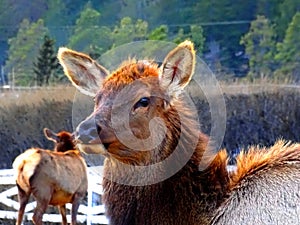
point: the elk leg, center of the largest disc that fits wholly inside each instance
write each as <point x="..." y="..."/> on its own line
<point x="62" y="210"/>
<point x="23" y="199"/>
<point x="75" y="205"/>
<point x="39" y="210"/>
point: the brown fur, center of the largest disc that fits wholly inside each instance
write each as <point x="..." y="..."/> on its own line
<point x="265" y="187"/>
<point x="166" y="202"/>
<point x="53" y="178"/>
<point x="189" y="196"/>
<point x="162" y="202"/>
<point x="257" y="159"/>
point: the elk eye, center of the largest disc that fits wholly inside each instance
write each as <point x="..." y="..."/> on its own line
<point x="143" y="102"/>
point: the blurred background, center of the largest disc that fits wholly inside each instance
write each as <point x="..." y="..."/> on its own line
<point x="237" y="39"/>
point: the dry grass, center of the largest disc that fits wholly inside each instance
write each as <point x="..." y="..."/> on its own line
<point x="256" y="114"/>
<point x="29" y="96"/>
<point x="248" y="89"/>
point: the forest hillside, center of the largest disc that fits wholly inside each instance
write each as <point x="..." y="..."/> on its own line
<point x="237" y="39"/>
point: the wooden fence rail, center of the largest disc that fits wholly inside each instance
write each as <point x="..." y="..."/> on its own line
<point x="90" y="213"/>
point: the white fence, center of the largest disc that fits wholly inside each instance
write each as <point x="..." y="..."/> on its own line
<point x="91" y="213"/>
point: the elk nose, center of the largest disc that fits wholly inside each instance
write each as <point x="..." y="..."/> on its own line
<point x="87" y="131"/>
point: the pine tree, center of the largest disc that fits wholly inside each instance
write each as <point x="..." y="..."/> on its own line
<point x="23" y="49"/>
<point x="288" y="55"/>
<point x="260" y="47"/>
<point x="286" y="9"/>
<point x="198" y="38"/>
<point x="46" y="62"/>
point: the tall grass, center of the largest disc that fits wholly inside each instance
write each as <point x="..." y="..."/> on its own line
<point x="35" y="95"/>
<point x="256" y="114"/>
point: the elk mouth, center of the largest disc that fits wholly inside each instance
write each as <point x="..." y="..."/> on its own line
<point x="106" y="145"/>
<point x="113" y="150"/>
<point x="92" y="148"/>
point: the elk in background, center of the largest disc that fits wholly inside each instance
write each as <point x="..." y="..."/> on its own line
<point x="52" y="177"/>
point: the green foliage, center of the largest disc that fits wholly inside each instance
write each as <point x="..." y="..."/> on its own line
<point x="180" y="36"/>
<point x="226" y="23"/>
<point x="93" y="26"/>
<point x="285" y="12"/>
<point x="88" y="36"/>
<point x="23" y="49"/>
<point x="270" y="9"/>
<point x="288" y="55"/>
<point x="124" y="32"/>
<point x="159" y="33"/>
<point x="88" y="17"/>
<point x="46" y="63"/>
<point x="13" y="13"/>
<point x="128" y="30"/>
<point x="57" y="20"/>
<point x="141" y="30"/>
<point x="260" y="47"/>
<point x="197" y="36"/>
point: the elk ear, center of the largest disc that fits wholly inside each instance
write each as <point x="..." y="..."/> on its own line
<point x="50" y="135"/>
<point x="84" y="72"/>
<point x="178" y="68"/>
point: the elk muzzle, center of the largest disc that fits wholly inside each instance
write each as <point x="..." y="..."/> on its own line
<point x="93" y="138"/>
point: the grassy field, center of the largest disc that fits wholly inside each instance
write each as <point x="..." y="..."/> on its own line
<point x="256" y="114"/>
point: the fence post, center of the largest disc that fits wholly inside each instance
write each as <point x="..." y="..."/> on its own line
<point x="89" y="206"/>
<point x="2" y="76"/>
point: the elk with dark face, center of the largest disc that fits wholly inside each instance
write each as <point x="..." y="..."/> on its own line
<point x="63" y="140"/>
<point x="149" y="132"/>
<point x="53" y="178"/>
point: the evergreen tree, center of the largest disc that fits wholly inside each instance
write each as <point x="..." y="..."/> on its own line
<point x="23" y="49"/>
<point x="260" y="47"/>
<point x="285" y="12"/>
<point x="198" y="38"/>
<point x="11" y="16"/>
<point x="288" y="54"/>
<point x="46" y="63"/>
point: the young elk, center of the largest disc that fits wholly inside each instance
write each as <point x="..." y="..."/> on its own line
<point x="154" y="147"/>
<point x="53" y="177"/>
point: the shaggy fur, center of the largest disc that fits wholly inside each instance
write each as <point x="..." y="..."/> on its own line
<point x="54" y="178"/>
<point x="164" y="202"/>
<point x="265" y="187"/>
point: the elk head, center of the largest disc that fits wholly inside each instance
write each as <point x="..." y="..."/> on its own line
<point x="134" y="111"/>
<point x="63" y="140"/>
